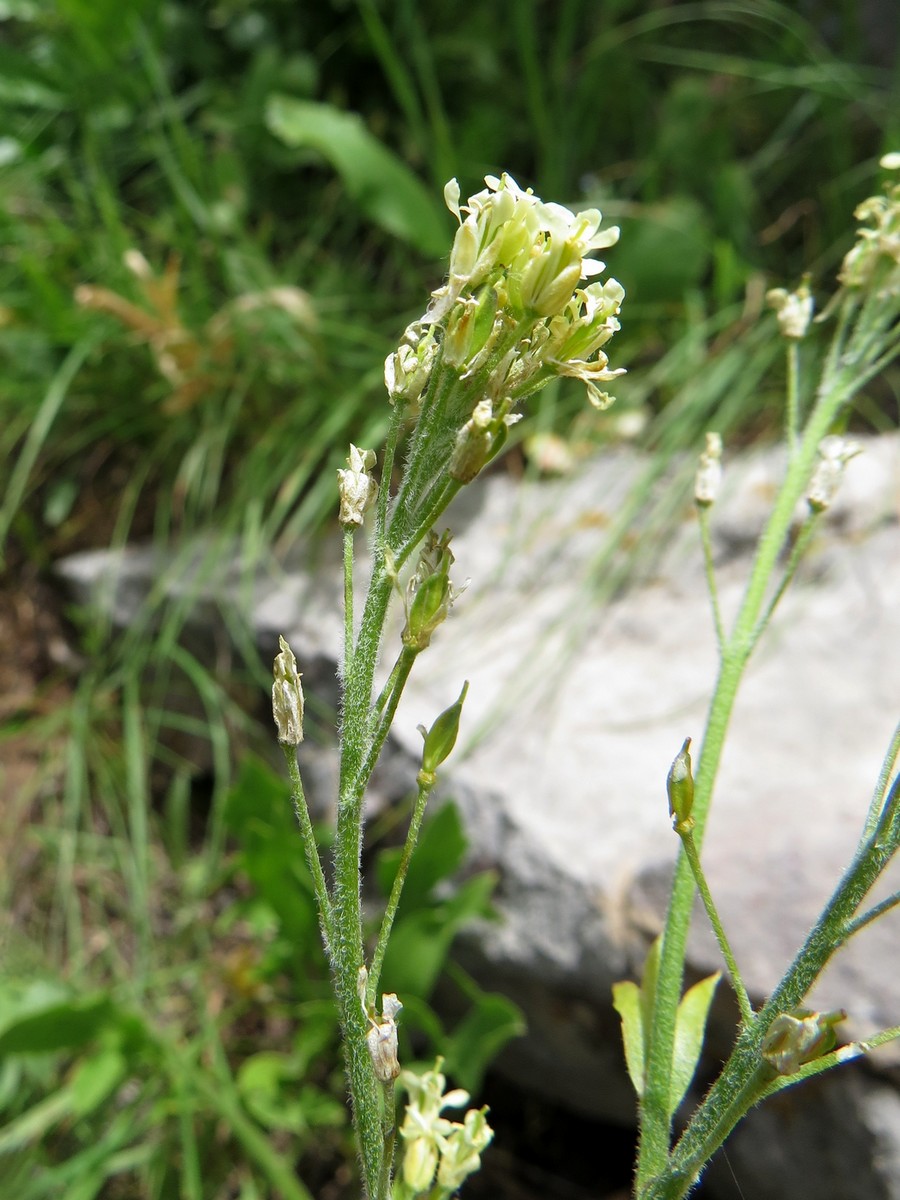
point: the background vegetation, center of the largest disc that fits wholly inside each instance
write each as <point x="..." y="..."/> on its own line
<point x="216" y="218"/>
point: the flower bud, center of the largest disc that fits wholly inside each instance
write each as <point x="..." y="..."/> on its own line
<point x="463" y="1147"/>
<point x="287" y="697"/>
<point x="680" y="788"/>
<point x="440" y="739"/>
<point x="474" y="443"/>
<point x="709" y="472"/>
<point x="429" y="593"/>
<point x="793" y="309"/>
<point x="357" y="487"/>
<point x="834" y="454"/>
<point x="408" y="370"/>
<point x="798" y="1037"/>
<point x="469" y="326"/>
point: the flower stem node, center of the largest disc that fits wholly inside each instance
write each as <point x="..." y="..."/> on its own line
<point x="709" y="472"/>
<point x="287" y="697"/>
<point x="680" y="789"/>
<point x="793" y="309"/>
<point x="834" y="454"/>
<point x="440" y="739"/>
<point x="798" y="1037"/>
<point x="357" y="487"/>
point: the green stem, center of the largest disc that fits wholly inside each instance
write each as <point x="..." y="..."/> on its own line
<point x="347" y="666"/>
<point x="389" y="1133"/>
<point x="399" y="675"/>
<point x="877" y="803"/>
<point x="301" y="809"/>
<point x="346" y="959"/>
<point x="655" y="1128"/>
<point x="744" y="1077"/>
<point x="690" y="849"/>
<point x="801" y="544"/>
<point x="703" y="511"/>
<point x="393" y="903"/>
<point x="793" y="392"/>
<point x="877" y="910"/>
<point x="443" y="494"/>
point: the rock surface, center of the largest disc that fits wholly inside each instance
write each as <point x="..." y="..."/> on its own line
<point x="580" y="696"/>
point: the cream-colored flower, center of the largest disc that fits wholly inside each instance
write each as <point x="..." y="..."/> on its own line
<point x="709" y="472"/>
<point x="794" y="310"/>
<point x="287" y="697"/>
<point x="357" y="487"/>
<point x="834" y="454"/>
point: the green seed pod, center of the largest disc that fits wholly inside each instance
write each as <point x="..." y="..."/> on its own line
<point x="429" y="607"/>
<point x="680" y="788"/>
<point x="441" y="738"/>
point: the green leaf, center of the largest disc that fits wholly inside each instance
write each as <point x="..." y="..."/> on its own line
<point x="627" y="1003"/>
<point x="690" y="1027"/>
<point x="258" y="812"/>
<point x="269" y="1086"/>
<point x="94" y="1080"/>
<point x="421" y="941"/>
<point x="439" y="853"/>
<point x="58" y="1026"/>
<point x="480" y="1036"/>
<point x="384" y="188"/>
<point x="635" y="1005"/>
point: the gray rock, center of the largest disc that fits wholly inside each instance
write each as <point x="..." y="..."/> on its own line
<point x="581" y="692"/>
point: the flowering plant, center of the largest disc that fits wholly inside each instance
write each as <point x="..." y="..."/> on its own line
<point x="515" y="312"/>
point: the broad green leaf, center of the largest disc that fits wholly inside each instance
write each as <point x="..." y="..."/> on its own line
<point x="627" y="1003"/>
<point x="58" y="1026"/>
<point x="258" y="812"/>
<point x="690" y="1026"/>
<point x="376" y="179"/>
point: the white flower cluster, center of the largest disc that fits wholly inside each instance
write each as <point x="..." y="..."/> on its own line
<point x="794" y="310"/>
<point x="875" y="259"/>
<point x="434" y="1144"/>
<point x="515" y="308"/>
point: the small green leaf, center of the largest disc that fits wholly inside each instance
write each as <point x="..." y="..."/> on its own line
<point x="648" y="984"/>
<point x="627" y="1003"/>
<point x="690" y="1027"/>
<point x="380" y="183"/>
<point x="94" y="1080"/>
